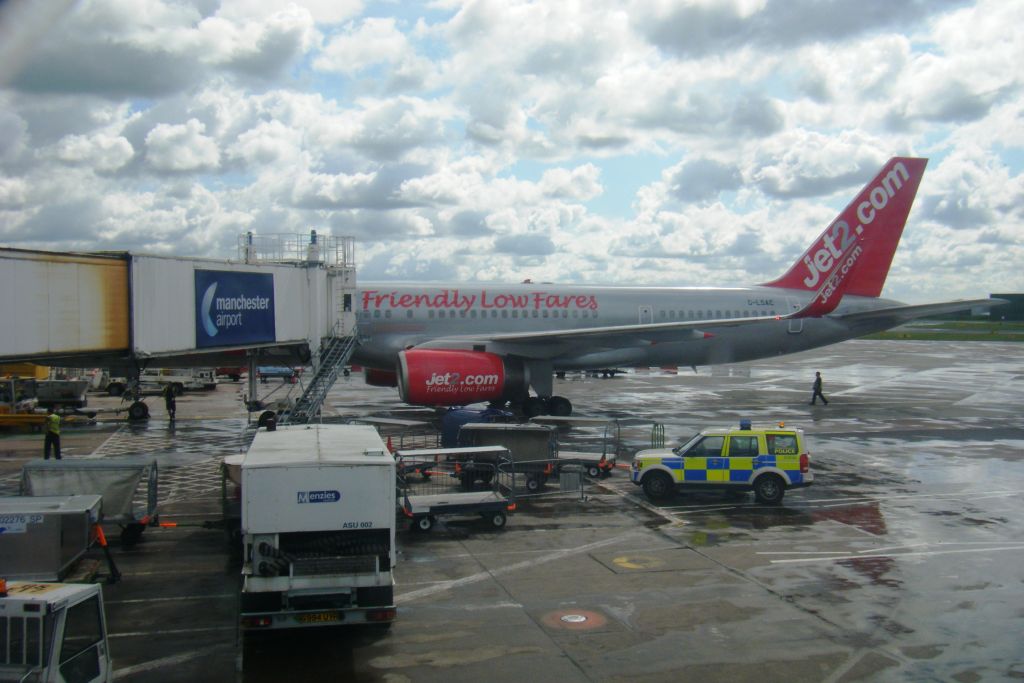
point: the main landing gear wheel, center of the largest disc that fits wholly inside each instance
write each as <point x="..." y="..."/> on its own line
<point x="556" y="405"/>
<point x="559" y="406"/>
<point x="138" y="411"/>
<point x="533" y="406"/>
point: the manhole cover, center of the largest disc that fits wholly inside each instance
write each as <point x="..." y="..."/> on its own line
<point x="574" y="619"/>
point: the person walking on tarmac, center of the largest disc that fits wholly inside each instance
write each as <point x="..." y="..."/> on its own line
<point x="169" y="401"/>
<point x="51" y="427"/>
<point x="817" y="390"/>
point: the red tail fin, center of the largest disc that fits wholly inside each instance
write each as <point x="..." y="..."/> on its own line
<point x="876" y="217"/>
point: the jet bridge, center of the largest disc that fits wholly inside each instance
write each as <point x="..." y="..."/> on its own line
<point x="285" y="296"/>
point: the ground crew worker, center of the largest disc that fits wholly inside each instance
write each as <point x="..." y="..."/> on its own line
<point x="52" y="434"/>
<point x="169" y="401"/>
<point x="817" y="390"/>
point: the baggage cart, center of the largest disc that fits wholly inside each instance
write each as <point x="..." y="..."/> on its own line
<point x="441" y="482"/>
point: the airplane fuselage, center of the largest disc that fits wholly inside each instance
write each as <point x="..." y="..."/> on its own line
<point x="393" y="317"/>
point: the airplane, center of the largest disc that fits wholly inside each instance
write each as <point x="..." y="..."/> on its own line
<point x="457" y="344"/>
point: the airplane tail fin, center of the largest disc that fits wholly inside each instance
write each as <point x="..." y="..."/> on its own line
<point x="876" y="218"/>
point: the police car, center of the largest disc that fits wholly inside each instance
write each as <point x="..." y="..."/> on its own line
<point x="766" y="460"/>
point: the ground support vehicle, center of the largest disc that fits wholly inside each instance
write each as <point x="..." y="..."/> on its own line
<point x="232" y="373"/>
<point x="591" y="442"/>
<point x="117" y="480"/>
<point x="532" y="448"/>
<point x="53" y="633"/>
<point x="440" y="482"/>
<point x="766" y="460"/>
<point x="265" y="372"/>
<point x="318" y="528"/>
<point x="179" y="379"/>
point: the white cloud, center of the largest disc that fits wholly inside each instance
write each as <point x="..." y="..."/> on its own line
<point x="102" y="152"/>
<point x="704" y="142"/>
<point x="181" y="148"/>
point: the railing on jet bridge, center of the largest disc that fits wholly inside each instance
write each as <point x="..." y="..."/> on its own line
<point x="332" y="251"/>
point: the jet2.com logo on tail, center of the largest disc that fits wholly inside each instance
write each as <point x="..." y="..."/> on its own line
<point x="234" y="308"/>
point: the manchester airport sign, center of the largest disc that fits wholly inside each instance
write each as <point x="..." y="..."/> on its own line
<point x="233" y="308"/>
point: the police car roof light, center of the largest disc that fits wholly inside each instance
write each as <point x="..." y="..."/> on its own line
<point x="744" y="423"/>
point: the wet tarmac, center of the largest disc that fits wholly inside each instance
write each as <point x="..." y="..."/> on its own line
<point x="904" y="561"/>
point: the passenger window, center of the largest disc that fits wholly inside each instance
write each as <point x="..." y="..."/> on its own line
<point x="742" y="446"/>
<point x="781" y="444"/>
<point x="708" y="447"/>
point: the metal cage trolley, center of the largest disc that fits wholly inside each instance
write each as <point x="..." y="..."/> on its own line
<point x="439" y="482"/>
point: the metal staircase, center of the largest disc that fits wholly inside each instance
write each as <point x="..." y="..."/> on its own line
<point x="333" y="358"/>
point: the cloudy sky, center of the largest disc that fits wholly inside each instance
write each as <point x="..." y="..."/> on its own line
<point x="689" y="142"/>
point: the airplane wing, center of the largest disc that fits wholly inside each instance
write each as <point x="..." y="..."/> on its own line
<point x="897" y="315"/>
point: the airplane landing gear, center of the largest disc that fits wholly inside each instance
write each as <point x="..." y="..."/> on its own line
<point x="555" y="405"/>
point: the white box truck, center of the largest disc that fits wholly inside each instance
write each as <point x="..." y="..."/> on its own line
<point x="318" y="525"/>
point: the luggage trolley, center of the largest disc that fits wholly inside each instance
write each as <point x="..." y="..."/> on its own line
<point x="436" y="482"/>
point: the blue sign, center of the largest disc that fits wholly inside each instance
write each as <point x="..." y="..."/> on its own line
<point x="318" y="496"/>
<point x="234" y="308"/>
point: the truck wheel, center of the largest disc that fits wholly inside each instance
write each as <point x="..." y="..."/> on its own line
<point x="769" y="489"/>
<point x="498" y="520"/>
<point x="533" y="483"/>
<point x="657" y="486"/>
<point x="424" y="523"/>
<point x="593" y="471"/>
<point x="115" y="389"/>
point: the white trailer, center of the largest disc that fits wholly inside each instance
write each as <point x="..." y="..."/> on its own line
<point x="318" y="525"/>
<point x="53" y="633"/>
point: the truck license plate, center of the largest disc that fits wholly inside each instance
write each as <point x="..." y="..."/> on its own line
<point x="318" y="617"/>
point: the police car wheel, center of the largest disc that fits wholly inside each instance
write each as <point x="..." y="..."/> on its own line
<point x="657" y="486"/>
<point x="769" y="489"/>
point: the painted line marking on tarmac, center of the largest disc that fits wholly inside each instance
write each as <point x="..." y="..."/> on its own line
<point x="896" y="556"/>
<point x="220" y="596"/>
<point x="171" y="632"/>
<point x="526" y="564"/>
<point x="171" y="660"/>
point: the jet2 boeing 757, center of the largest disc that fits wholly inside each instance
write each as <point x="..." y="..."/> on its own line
<point x="459" y="343"/>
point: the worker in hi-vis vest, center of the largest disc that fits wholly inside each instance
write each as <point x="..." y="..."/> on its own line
<point x="52" y="429"/>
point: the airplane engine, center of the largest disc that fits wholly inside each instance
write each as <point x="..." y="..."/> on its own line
<point x="376" y="377"/>
<point x="450" y="377"/>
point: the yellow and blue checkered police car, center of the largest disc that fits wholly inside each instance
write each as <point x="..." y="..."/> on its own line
<point x="765" y="460"/>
